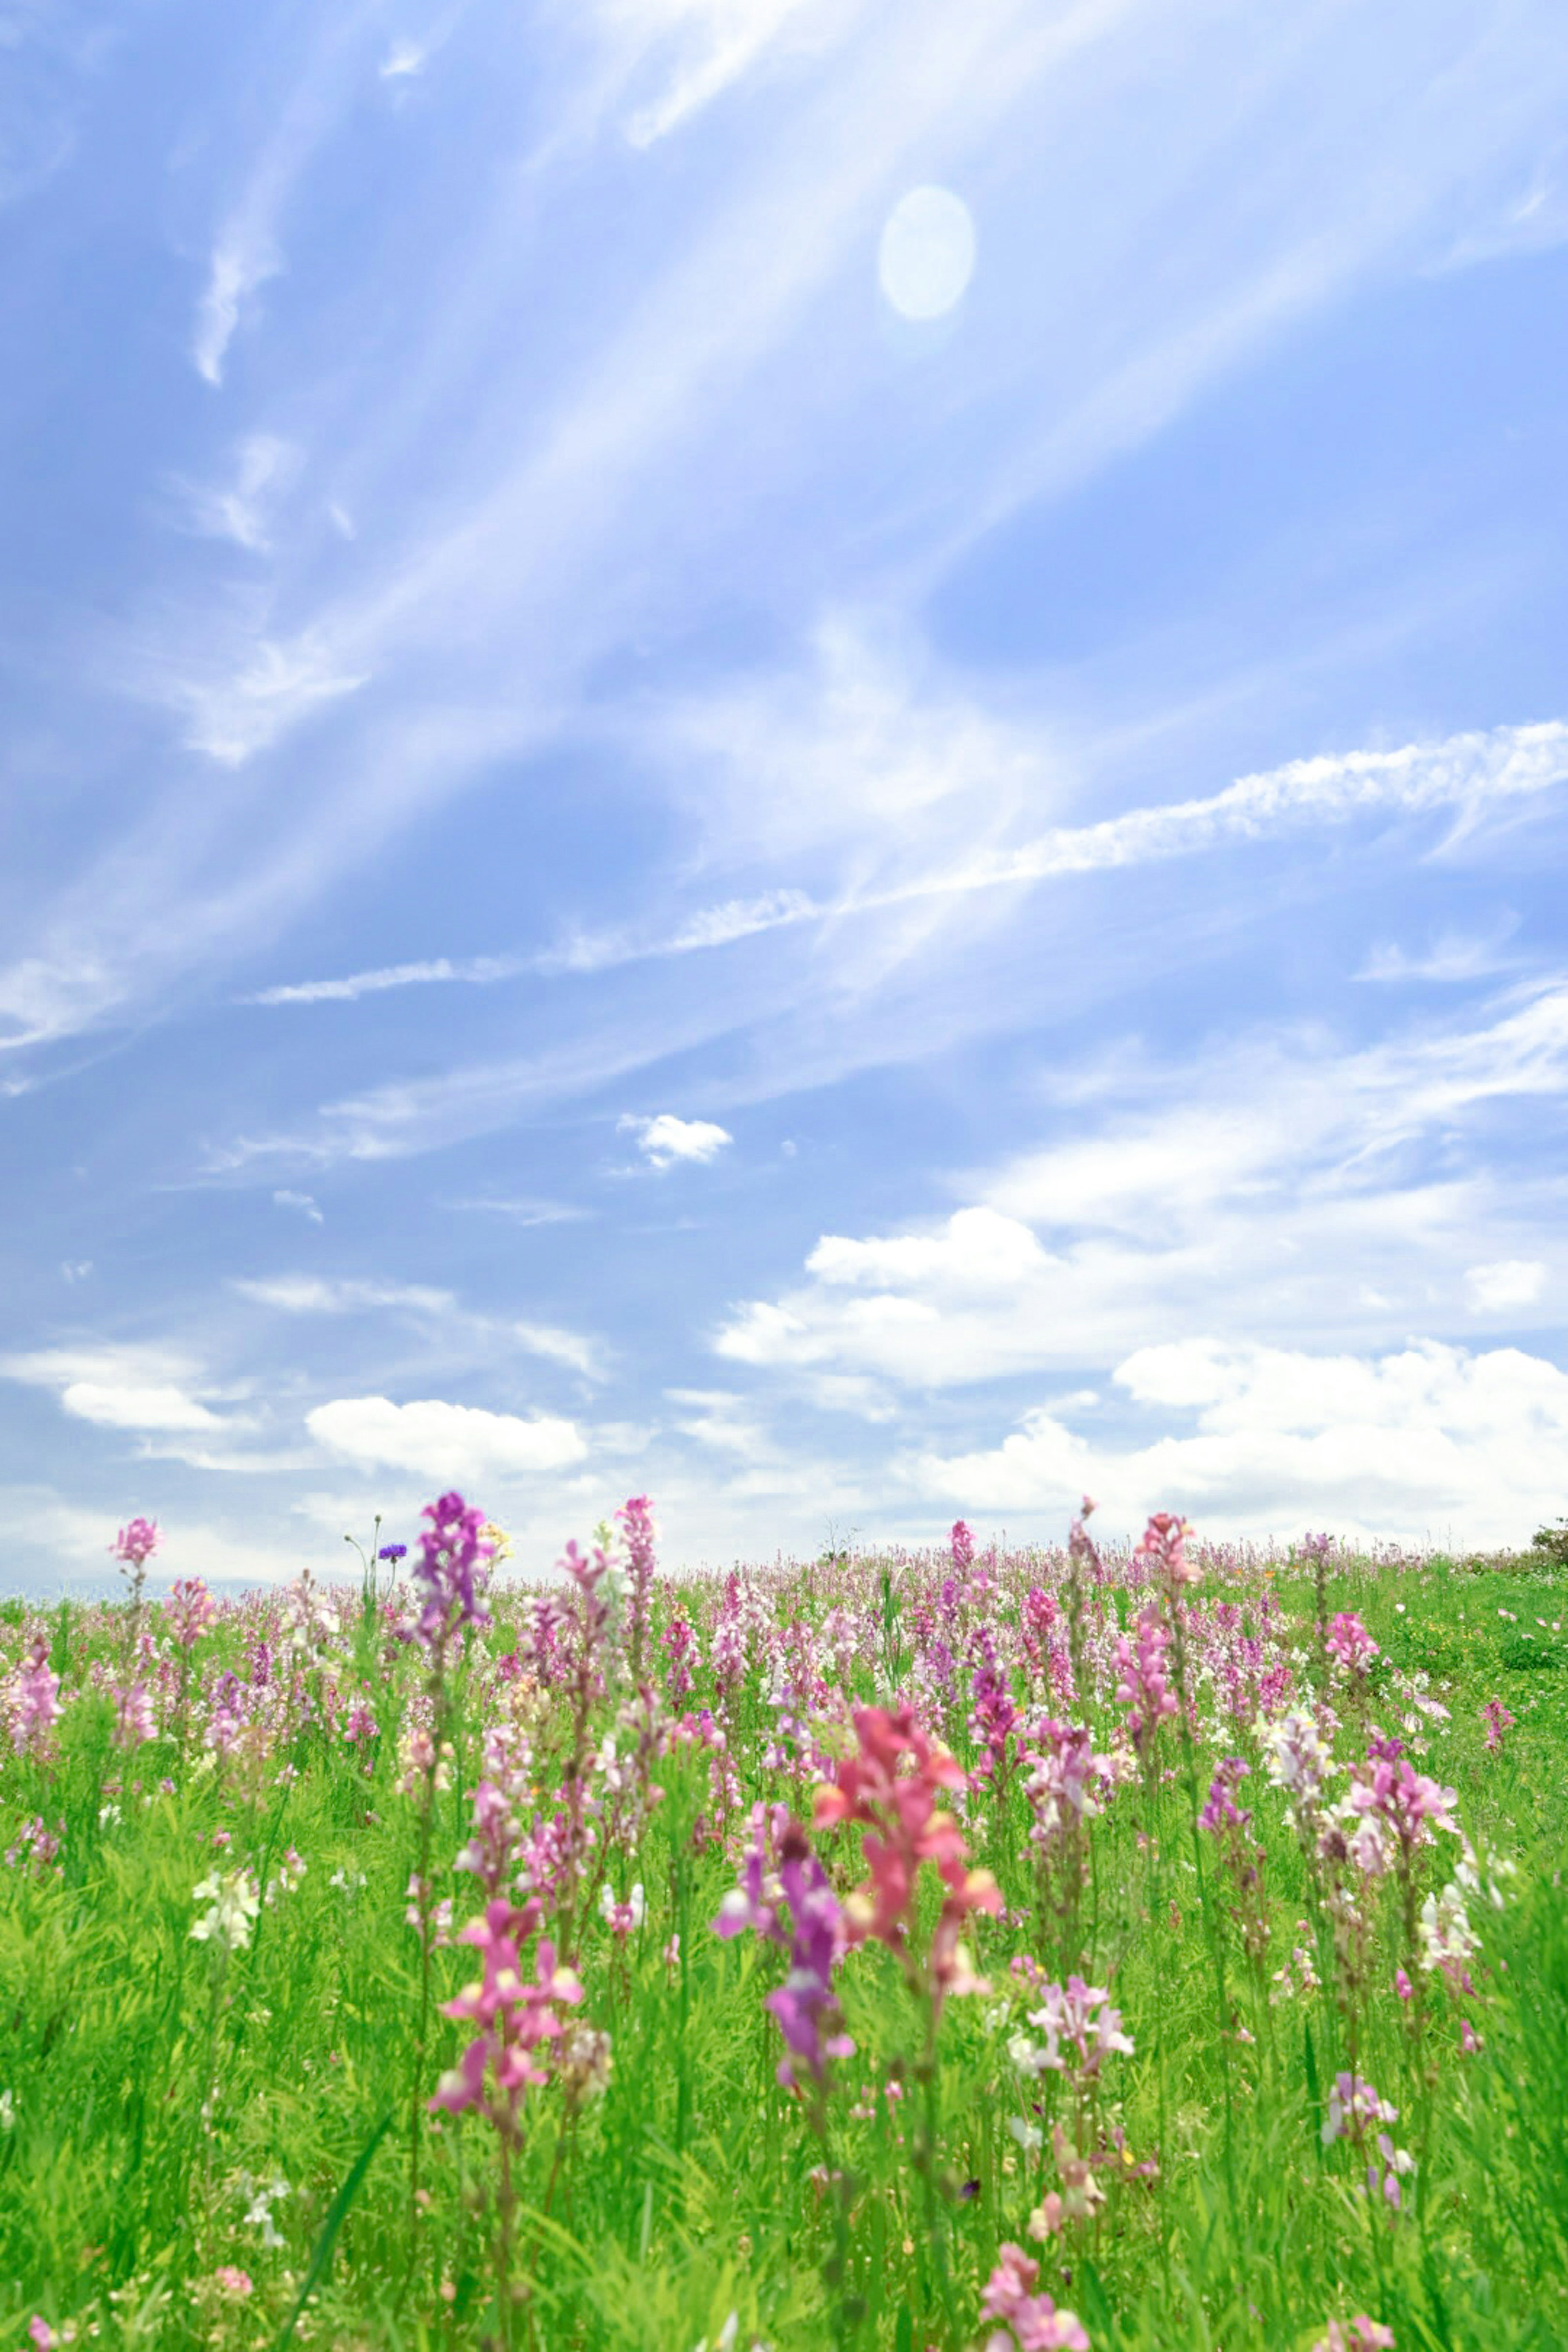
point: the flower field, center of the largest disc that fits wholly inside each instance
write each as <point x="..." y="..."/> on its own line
<point x="1128" y="1947"/>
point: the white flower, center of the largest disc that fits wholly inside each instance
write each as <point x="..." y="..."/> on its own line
<point x="1447" y="1936"/>
<point x="8" y="2112"/>
<point x="1030" y="2136"/>
<point x="234" y="1905"/>
<point x="259" y="2209"/>
<point x="1029" y="2057"/>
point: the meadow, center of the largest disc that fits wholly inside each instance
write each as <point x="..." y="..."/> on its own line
<point x="1128" y="1947"/>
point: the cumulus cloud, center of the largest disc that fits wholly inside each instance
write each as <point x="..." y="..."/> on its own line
<point x="1408" y="1444"/>
<point x="665" y="1140"/>
<point x="445" y="1443"/>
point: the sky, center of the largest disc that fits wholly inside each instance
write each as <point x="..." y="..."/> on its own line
<point x="807" y="754"/>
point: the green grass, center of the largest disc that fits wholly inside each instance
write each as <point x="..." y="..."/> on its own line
<point x="147" y="2081"/>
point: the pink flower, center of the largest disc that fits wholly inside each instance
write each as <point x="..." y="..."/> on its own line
<point x="1469" y="2040"/>
<point x="514" y="2015"/>
<point x="1037" y="2325"/>
<point x="1140" y="1663"/>
<point x="1359" y="2335"/>
<point x="906" y="1827"/>
<point x="230" y="2280"/>
<point x="636" y="1515"/>
<point x="37" y="1700"/>
<point x="1404" y="1800"/>
<point x="1351" y="1645"/>
<point x="190" y="1608"/>
<point x="134" y="1720"/>
<point x="1498" y="1720"/>
<point x="135" y="1544"/>
<point x="1164" y="1545"/>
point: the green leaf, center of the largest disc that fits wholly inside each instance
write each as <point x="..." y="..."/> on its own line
<point x="322" y="2256"/>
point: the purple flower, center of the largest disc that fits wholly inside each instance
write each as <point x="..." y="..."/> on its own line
<point x="1221" y="1810"/>
<point x="813" y="1936"/>
<point x="393" y="1552"/>
<point x="452" y="1570"/>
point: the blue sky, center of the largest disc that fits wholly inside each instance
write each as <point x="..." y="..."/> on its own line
<point x="669" y="825"/>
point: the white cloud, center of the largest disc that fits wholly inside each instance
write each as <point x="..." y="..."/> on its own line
<point x="479" y="971"/>
<point x="558" y="1347"/>
<point x="1406" y="1444"/>
<point x="714" y="1417"/>
<point x="303" y="1201"/>
<point x="76" y="1269"/>
<point x="311" y="1294"/>
<point x="1453" y="957"/>
<point x="1270" y="1185"/>
<point x="1510" y="1281"/>
<point x="240" y="266"/>
<point x="404" y="59"/>
<point x="665" y="1138"/>
<point x="716" y="43"/>
<point x="444" y="1441"/>
<point x="264" y="466"/>
<point x="525" y="1212"/>
<point x="115" y="1407"/>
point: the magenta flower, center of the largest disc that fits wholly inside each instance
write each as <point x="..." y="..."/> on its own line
<point x="1036" y="2323"/>
<point x="1142" y="1686"/>
<point x="1350" y="1644"/>
<point x="514" y="2016"/>
<point x="1358" y="2334"/>
<point x="1498" y="1720"/>
<point x="961" y="1543"/>
<point x="1388" y="1790"/>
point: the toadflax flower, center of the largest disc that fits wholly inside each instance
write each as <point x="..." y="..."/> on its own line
<point x="906" y="1827"/>
<point x="1036" y="2323"/>
<point x="514" y="2015"/>
<point x="233" y="1904"/>
<point x="797" y="1909"/>
<point x="451" y="1572"/>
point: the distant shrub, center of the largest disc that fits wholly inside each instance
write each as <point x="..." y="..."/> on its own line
<point x="1553" y="1542"/>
